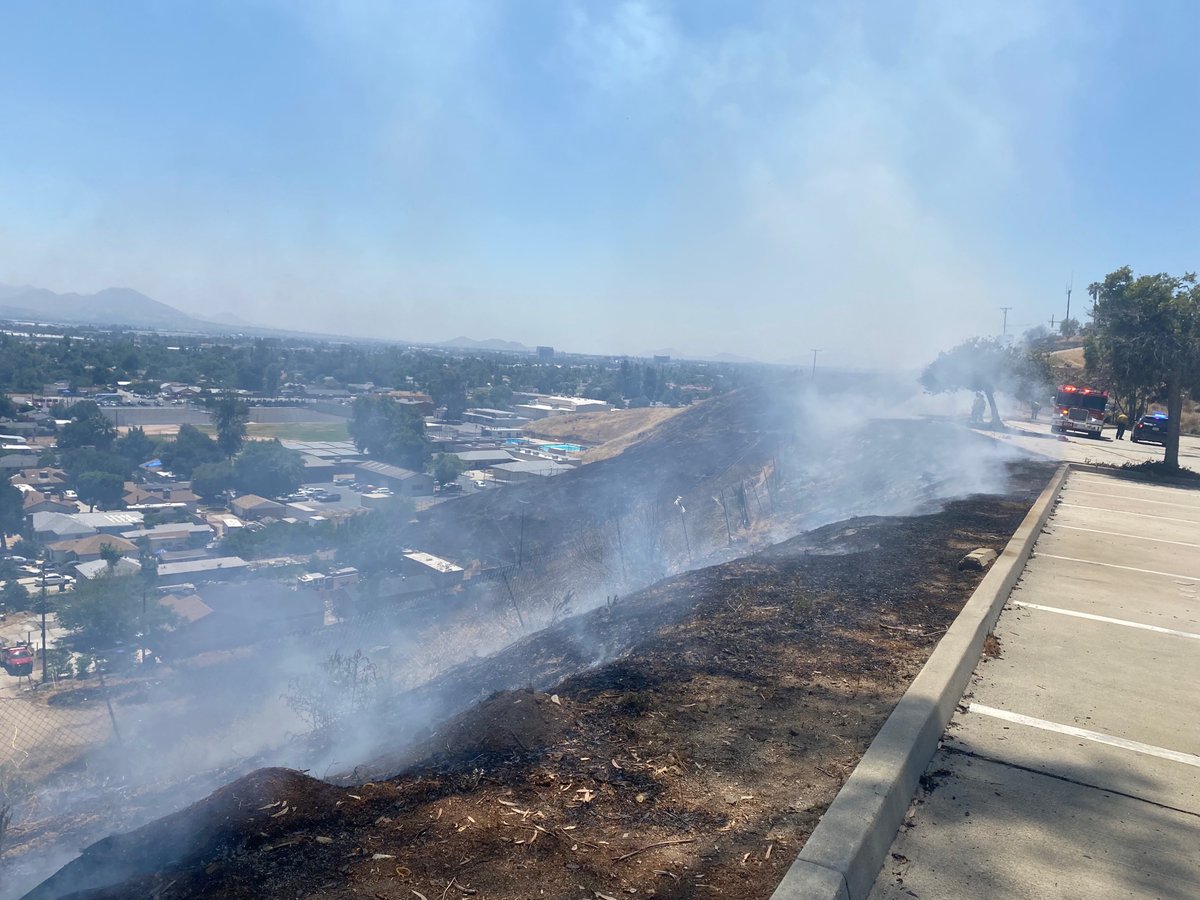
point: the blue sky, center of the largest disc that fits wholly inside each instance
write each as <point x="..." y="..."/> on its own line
<point x="876" y="179"/>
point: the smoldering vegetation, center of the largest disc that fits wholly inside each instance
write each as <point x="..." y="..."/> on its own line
<point x="728" y="478"/>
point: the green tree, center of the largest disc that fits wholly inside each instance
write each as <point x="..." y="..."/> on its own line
<point x="987" y="366"/>
<point x="105" y="611"/>
<point x="391" y="431"/>
<point x="136" y="447"/>
<point x="88" y="428"/>
<point x="87" y="459"/>
<point x="191" y="448"/>
<point x="14" y="597"/>
<point x="268" y="469"/>
<point x="1147" y="336"/>
<point x="12" y="514"/>
<point x="103" y="488"/>
<point x="230" y="415"/>
<point x="211" y="479"/>
<point x="447" y="467"/>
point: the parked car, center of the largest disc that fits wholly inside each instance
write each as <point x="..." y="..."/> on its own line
<point x="1151" y="429"/>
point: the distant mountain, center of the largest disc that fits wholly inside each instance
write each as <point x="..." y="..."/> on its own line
<point x="111" y="306"/>
<point x="466" y="343"/>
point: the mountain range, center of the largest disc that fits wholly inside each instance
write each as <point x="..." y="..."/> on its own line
<point x="111" y="306"/>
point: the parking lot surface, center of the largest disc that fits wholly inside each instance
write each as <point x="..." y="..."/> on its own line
<point x="1072" y="767"/>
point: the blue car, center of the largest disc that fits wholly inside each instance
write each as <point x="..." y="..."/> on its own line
<point x="1151" y="429"/>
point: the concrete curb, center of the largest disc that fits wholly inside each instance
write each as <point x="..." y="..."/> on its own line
<point x="844" y="855"/>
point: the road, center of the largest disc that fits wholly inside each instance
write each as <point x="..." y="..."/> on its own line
<point x="1071" y="768"/>
<point x="1036" y="438"/>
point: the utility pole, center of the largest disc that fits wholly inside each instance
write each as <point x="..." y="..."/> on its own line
<point x="1070" y="284"/>
<point x="1052" y="322"/>
<point x="683" y="520"/>
<point x="814" y="368"/>
<point x="42" y="606"/>
<point x="1005" y="310"/>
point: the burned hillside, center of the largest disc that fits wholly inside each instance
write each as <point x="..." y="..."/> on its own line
<point x="678" y="741"/>
<point x="564" y="576"/>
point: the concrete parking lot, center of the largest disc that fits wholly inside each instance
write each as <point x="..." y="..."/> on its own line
<point x="1072" y="767"/>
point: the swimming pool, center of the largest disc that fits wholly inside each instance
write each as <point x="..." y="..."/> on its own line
<point x="564" y="448"/>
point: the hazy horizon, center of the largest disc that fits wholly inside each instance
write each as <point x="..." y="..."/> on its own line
<point x="753" y="179"/>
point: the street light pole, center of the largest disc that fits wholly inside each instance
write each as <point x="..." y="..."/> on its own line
<point x="814" y="366"/>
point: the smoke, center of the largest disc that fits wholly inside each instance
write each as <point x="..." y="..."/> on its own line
<point x="725" y="479"/>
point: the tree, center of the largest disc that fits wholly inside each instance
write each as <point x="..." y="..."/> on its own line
<point x="230" y="415"/>
<point x="14" y="597"/>
<point x="135" y="447"/>
<point x="87" y="459"/>
<point x="104" y="488"/>
<point x="268" y="469"/>
<point x="391" y="431"/>
<point x="88" y="428"/>
<point x="12" y="512"/>
<point x="191" y="448"/>
<point x="986" y="365"/>
<point x="1147" y="338"/>
<point x="211" y="479"/>
<point x="447" y="467"/>
<point x="106" y="611"/>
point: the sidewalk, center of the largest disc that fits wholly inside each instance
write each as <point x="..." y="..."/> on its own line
<point x="1072" y="767"/>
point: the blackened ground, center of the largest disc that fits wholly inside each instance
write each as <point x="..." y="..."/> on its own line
<point x="694" y="763"/>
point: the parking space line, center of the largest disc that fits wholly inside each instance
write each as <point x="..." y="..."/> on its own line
<point x="1188" y="759"/>
<point x="1121" y="534"/>
<point x="1120" y="482"/>
<point x="1106" y="619"/>
<point x="1071" y="490"/>
<point x="1092" y="562"/>
<point x="1124" y="513"/>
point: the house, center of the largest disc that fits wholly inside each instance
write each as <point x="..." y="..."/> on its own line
<point x="11" y="463"/>
<point x="173" y="495"/>
<point x="172" y="536"/>
<point x="90" y="548"/>
<point x="252" y="506"/>
<point x="55" y="526"/>
<point x="528" y="469"/>
<point x="98" y="567"/>
<point x="441" y="571"/>
<point x="188" y="608"/>
<point x="238" y="616"/>
<point x="220" y="568"/>
<point x="111" y="522"/>
<point x="482" y="459"/>
<point x="35" y="501"/>
<point x="41" y="479"/>
<point x="402" y="481"/>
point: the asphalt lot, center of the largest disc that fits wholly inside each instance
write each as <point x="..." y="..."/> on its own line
<point x="1072" y="767"/>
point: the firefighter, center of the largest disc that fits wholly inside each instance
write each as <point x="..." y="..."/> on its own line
<point x="1122" y="424"/>
<point x="977" y="409"/>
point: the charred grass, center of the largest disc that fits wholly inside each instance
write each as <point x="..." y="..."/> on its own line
<point x="681" y="742"/>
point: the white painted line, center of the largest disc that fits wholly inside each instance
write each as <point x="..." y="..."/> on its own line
<point x="1124" y="513"/>
<point x="1106" y="619"/>
<point x="1162" y="753"/>
<point x="1121" y="534"/>
<point x="1192" y="506"/>
<point x="1123" y="483"/>
<point x="1187" y="759"/>
<point x="1092" y="562"/>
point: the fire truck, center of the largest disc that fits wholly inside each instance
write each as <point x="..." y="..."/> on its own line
<point x="1079" y="409"/>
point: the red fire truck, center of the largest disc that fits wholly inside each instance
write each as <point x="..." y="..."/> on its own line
<point x="1079" y="409"/>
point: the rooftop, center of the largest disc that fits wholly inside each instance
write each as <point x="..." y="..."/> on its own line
<point x="387" y="470"/>
<point x="225" y="563"/>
